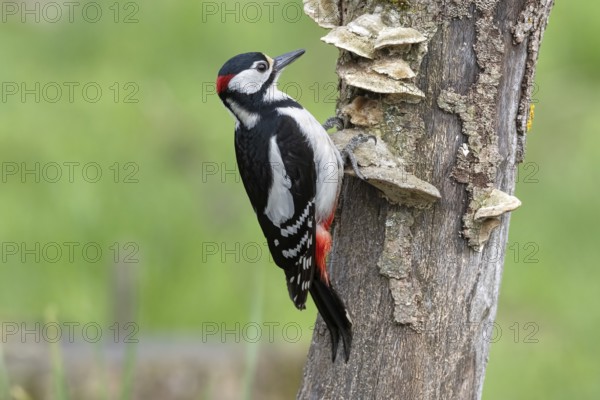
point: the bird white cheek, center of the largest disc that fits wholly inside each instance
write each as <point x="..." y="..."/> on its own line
<point x="248" y="82"/>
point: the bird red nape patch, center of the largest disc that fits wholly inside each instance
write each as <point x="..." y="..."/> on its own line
<point x="223" y="81"/>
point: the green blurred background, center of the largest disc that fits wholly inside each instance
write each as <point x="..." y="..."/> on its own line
<point x="173" y="223"/>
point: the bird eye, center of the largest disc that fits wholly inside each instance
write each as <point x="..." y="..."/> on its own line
<point x="262" y="67"/>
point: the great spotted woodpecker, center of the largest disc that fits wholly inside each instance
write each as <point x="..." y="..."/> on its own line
<point x="292" y="173"/>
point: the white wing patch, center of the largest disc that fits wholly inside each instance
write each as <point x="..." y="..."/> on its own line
<point x="280" y="204"/>
<point x="329" y="164"/>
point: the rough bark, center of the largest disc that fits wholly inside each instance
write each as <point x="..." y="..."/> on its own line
<point x="421" y="281"/>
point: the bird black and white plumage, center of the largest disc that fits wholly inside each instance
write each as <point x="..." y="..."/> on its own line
<point x="292" y="173"/>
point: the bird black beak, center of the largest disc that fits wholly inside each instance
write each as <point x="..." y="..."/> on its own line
<point x="285" y="59"/>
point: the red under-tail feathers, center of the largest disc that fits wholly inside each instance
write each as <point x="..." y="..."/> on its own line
<point x="323" y="247"/>
<point x="328" y="302"/>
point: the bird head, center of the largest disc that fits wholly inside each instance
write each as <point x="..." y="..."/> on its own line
<point x="252" y="73"/>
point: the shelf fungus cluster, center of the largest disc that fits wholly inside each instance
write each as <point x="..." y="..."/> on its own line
<point x="384" y="55"/>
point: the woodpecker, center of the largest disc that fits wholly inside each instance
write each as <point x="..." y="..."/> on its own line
<point x="292" y="173"/>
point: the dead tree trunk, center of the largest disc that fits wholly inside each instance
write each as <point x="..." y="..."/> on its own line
<point x="445" y="87"/>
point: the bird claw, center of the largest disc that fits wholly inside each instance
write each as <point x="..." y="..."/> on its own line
<point x="333" y="122"/>
<point x="348" y="152"/>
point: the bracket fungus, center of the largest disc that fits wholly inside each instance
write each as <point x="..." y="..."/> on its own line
<point x="495" y="204"/>
<point x="487" y="216"/>
<point x="344" y="39"/>
<point x="324" y="12"/>
<point x="398" y="36"/>
<point x="368" y="33"/>
<point x="358" y="37"/>
<point x="386" y="172"/>
<point x="368" y="37"/>
<point x="394" y="68"/>
<point x="372" y="81"/>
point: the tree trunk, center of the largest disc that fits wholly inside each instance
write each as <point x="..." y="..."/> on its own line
<point x="419" y="275"/>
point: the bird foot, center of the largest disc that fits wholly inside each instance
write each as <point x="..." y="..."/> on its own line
<point x="348" y="152"/>
<point x="333" y="122"/>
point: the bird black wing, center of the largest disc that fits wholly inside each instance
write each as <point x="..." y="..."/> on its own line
<point x="291" y="240"/>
